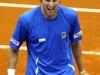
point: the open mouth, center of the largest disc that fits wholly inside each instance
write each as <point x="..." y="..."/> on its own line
<point x="50" y="8"/>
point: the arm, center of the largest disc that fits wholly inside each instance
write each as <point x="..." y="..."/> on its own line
<point x="12" y="61"/>
<point x="18" y="37"/>
<point x="76" y="49"/>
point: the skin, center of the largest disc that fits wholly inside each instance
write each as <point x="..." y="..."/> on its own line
<point x="12" y="59"/>
<point x="77" y="53"/>
<point x="76" y="48"/>
<point x="50" y="8"/>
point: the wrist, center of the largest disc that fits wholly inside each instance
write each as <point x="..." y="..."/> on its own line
<point x="82" y="72"/>
<point x="11" y="71"/>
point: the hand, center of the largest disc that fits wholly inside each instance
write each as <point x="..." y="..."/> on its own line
<point x="83" y="72"/>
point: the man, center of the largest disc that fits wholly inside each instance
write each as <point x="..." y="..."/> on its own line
<point x="52" y="33"/>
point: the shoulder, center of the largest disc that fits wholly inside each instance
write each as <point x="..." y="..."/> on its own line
<point x="26" y="19"/>
<point x="30" y="13"/>
<point x="69" y="12"/>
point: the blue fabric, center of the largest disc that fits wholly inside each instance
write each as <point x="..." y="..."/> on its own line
<point x="48" y="41"/>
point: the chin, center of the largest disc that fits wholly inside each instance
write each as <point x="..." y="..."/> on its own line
<point x="51" y="16"/>
<point x="51" y="13"/>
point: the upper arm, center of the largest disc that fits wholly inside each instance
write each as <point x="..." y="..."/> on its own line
<point x="13" y="52"/>
<point x="19" y="35"/>
<point x="75" y="32"/>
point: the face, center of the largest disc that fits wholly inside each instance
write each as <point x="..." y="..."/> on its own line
<point x="50" y="7"/>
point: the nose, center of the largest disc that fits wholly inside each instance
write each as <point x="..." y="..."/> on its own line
<point x="51" y="3"/>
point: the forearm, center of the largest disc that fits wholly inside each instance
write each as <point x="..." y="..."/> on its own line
<point x="12" y="59"/>
<point x="76" y="48"/>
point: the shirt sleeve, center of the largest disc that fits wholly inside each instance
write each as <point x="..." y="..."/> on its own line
<point x="19" y="35"/>
<point x="75" y="33"/>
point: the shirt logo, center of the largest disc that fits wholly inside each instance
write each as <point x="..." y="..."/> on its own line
<point x="78" y="34"/>
<point x="42" y="39"/>
<point x="14" y="41"/>
<point x="63" y="35"/>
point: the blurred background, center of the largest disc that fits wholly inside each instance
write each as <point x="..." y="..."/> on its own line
<point x="89" y="17"/>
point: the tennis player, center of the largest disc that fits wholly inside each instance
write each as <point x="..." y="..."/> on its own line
<point x="52" y="34"/>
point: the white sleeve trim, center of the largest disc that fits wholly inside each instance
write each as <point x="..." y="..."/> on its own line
<point x="14" y="41"/>
<point x="78" y="34"/>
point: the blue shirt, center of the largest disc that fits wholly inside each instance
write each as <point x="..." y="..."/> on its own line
<point x="48" y="41"/>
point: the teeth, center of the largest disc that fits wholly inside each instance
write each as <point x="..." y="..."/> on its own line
<point x="50" y="8"/>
